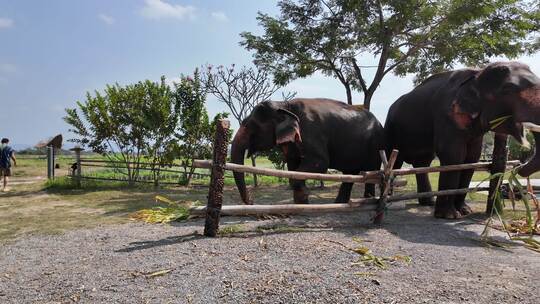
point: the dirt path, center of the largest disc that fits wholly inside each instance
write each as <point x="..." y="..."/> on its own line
<point x="300" y="260"/>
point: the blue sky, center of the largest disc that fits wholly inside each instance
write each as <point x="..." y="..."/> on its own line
<point x="52" y="52"/>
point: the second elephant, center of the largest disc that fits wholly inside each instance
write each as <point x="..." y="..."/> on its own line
<point x="314" y="135"/>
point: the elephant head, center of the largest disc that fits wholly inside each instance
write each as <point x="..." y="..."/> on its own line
<point x="269" y="124"/>
<point x="504" y="97"/>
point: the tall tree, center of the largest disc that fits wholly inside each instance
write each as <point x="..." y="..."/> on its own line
<point x="196" y="130"/>
<point x="335" y="37"/>
<point x="128" y="123"/>
<point x="241" y="90"/>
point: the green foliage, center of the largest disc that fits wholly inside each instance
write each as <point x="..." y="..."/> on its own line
<point x="519" y="152"/>
<point x="276" y="157"/>
<point x="418" y="36"/>
<point x="126" y="123"/>
<point x="196" y="130"/>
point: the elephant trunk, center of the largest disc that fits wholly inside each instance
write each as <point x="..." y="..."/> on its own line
<point x="533" y="164"/>
<point x="238" y="151"/>
<point x="530" y="118"/>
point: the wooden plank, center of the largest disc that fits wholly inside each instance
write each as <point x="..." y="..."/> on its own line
<point x="286" y="174"/>
<point x="285" y="209"/>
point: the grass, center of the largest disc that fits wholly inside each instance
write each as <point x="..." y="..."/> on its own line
<point x="48" y="207"/>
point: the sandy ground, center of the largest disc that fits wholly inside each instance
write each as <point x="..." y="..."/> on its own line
<point x="301" y="260"/>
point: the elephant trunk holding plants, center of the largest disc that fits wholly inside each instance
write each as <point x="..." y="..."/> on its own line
<point x="314" y="135"/>
<point x="447" y="116"/>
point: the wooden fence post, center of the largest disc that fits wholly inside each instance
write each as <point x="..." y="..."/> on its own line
<point x="386" y="184"/>
<point x="50" y="162"/>
<point x="78" y="170"/>
<point x="215" y="193"/>
<point x="498" y="165"/>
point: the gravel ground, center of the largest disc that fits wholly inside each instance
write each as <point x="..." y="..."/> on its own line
<point x="111" y="264"/>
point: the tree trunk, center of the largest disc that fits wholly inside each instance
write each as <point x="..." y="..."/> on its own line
<point x="367" y="99"/>
<point x="349" y="93"/>
<point x="255" y="181"/>
<point x="190" y="176"/>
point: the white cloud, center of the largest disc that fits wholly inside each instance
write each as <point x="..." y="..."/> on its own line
<point x="106" y="19"/>
<point x="159" y="9"/>
<point x="6" y="23"/>
<point x="220" y="16"/>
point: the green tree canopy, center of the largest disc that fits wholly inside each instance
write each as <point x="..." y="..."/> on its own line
<point x="416" y="36"/>
<point x="128" y="123"/>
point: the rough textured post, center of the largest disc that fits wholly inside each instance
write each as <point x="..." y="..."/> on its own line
<point x="50" y="162"/>
<point x="499" y="159"/>
<point x="387" y="184"/>
<point x="215" y="193"/>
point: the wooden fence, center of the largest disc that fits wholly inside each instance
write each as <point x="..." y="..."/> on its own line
<point x="385" y="178"/>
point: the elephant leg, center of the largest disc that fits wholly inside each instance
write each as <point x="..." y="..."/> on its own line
<point x="300" y="191"/>
<point x="344" y="194"/>
<point x="292" y="165"/>
<point x="474" y="150"/>
<point x="450" y="153"/>
<point x="422" y="182"/>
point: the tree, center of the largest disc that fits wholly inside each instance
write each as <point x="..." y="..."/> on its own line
<point x="417" y="36"/>
<point x="196" y="131"/>
<point x="128" y="123"/>
<point x="241" y="90"/>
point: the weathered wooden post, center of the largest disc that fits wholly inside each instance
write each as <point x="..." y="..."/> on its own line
<point x="498" y="165"/>
<point x="386" y="184"/>
<point x="215" y="193"/>
<point x="78" y="169"/>
<point x="50" y="162"/>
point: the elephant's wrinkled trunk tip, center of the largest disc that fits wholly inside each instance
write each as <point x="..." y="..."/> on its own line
<point x="533" y="164"/>
<point x="238" y="151"/>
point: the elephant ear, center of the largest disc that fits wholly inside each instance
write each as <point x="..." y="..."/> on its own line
<point x="466" y="107"/>
<point x="288" y="128"/>
<point x="492" y="77"/>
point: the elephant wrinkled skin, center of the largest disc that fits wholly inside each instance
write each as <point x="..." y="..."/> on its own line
<point x="448" y="114"/>
<point x="314" y="135"/>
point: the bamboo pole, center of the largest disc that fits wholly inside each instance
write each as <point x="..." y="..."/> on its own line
<point x="363" y="204"/>
<point x="286" y="209"/>
<point x="287" y="174"/>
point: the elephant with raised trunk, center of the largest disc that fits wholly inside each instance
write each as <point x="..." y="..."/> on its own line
<point x="448" y="114"/>
<point x="314" y="135"/>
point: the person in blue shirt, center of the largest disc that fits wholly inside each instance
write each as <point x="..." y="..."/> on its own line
<point x="7" y="154"/>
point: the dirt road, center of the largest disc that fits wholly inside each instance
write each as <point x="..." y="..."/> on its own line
<point x="287" y="260"/>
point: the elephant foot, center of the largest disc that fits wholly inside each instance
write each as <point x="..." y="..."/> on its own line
<point x="448" y="213"/>
<point x="341" y="200"/>
<point x="464" y="209"/>
<point x="300" y="197"/>
<point x="428" y="201"/>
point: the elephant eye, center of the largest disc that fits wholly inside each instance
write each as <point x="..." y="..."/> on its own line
<point x="509" y="88"/>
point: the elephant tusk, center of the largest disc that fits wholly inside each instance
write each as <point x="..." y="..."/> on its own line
<point x="531" y="126"/>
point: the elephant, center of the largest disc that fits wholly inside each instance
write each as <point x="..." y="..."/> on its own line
<point x="448" y="114"/>
<point x="314" y="135"/>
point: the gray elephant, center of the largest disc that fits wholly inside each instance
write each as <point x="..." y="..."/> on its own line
<point x="447" y="116"/>
<point x="314" y="135"/>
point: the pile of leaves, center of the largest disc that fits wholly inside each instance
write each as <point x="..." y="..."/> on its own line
<point x="521" y="230"/>
<point x="367" y="258"/>
<point x="175" y="211"/>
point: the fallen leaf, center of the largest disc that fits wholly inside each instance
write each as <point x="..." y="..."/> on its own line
<point x="158" y="273"/>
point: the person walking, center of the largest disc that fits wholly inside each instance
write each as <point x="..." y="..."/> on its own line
<point x="7" y="154"/>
